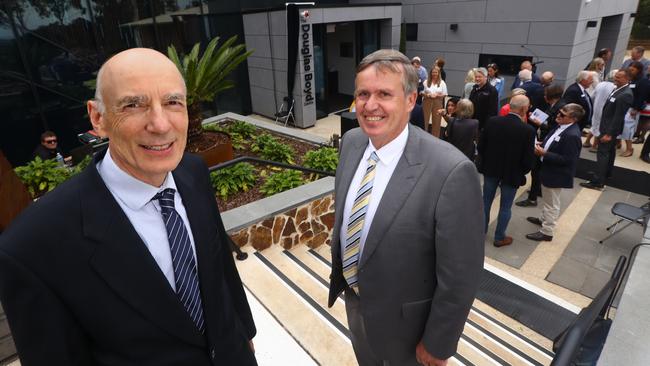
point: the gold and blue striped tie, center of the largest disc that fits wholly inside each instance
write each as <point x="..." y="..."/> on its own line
<point x="355" y="225"/>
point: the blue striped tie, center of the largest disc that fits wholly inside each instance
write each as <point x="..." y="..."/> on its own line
<point x="187" y="281"/>
<point x="355" y="226"/>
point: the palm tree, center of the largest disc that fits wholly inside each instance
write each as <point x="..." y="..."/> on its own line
<point x="205" y="76"/>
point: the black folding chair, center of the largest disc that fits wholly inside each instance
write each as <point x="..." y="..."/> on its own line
<point x="631" y="214"/>
<point x="286" y="111"/>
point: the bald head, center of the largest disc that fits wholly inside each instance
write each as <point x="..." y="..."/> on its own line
<point x="130" y="63"/>
<point x="547" y="78"/>
<point x="519" y="105"/>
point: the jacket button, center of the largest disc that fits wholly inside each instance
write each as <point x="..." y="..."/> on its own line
<point x="212" y="353"/>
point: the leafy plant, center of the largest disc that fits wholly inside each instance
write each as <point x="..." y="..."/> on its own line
<point x="261" y="141"/>
<point x="282" y="181"/>
<point x="245" y="130"/>
<point x="325" y="158"/>
<point x="227" y="181"/>
<point x="42" y="176"/>
<point x="81" y="165"/>
<point x="206" y="76"/>
<point x="278" y="151"/>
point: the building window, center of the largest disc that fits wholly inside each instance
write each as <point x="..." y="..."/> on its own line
<point x="411" y="31"/>
<point x="508" y="64"/>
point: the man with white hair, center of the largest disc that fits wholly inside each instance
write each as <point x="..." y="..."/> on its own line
<point x="484" y="97"/>
<point x="534" y="91"/>
<point x="577" y="93"/>
<point x="525" y="65"/>
<point x="131" y="264"/>
<point x="601" y="93"/>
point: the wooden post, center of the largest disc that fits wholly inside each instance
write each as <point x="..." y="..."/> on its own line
<point x="13" y="194"/>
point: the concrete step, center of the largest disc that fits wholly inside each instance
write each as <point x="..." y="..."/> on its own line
<point x="293" y="286"/>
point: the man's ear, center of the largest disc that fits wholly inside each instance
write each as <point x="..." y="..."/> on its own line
<point x="410" y="100"/>
<point x="96" y="117"/>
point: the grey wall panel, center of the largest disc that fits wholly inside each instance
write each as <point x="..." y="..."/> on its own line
<point x="507" y="33"/>
<point x="460" y="61"/>
<point x="279" y="46"/>
<point x="601" y="8"/>
<point x="455" y="81"/>
<point x="256" y="24"/>
<point x="584" y="34"/>
<point x="532" y="10"/>
<point x="267" y="63"/>
<point x="396" y="36"/>
<point x="431" y="32"/>
<point x="552" y="33"/>
<point x="587" y="47"/>
<point x="263" y="101"/>
<point x="278" y="23"/>
<point x="352" y="14"/>
<point x="261" y="78"/>
<point x="470" y="11"/>
<point x="542" y="51"/>
<point x="444" y="46"/>
<point x="260" y="44"/>
<point x="407" y="14"/>
<point x="394" y="13"/>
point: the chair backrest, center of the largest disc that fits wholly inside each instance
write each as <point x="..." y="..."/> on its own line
<point x="567" y="344"/>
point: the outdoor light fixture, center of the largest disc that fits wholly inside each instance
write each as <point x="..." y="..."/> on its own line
<point x="453" y="26"/>
<point x="592" y="24"/>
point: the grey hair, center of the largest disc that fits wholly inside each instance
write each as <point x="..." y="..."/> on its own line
<point x="391" y="60"/>
<point x="517" y="104"/>
<point x="99" y="103"/>
<point x="517" y="91"/>
<point x="611" y="75"/>
<point x="481" y="70"/>
<point x="574" y="110"/>
<point x="525" y="75"/>
<point x="582" y="75"/>
<point x="464" y="108"/>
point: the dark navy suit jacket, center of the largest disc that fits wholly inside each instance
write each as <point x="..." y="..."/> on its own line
<point x="561" y="158"/>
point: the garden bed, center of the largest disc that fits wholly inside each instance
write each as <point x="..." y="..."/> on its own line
<point x="251" y="140"/>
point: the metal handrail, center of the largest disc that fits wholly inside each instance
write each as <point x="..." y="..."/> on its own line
<point x="269" y="162"/>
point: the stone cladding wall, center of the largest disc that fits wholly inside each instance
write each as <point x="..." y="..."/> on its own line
<point x="309" y="224"/>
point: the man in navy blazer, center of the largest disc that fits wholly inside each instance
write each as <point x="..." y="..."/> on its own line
<point x="577" y="93"/>
<point x="559" y="154"/>
<point x="88" y="274"/>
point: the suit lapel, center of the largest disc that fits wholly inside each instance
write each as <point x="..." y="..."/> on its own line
<point x="124" y="262"/>
<point x="406" y="174"/>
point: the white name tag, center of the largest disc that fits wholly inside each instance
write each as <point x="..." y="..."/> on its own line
<point x="612" y="99"/>
<point x="632" y="86"/>
<point x="557" y="139"/>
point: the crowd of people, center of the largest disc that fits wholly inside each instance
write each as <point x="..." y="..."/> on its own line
<point x="541" y="128"/>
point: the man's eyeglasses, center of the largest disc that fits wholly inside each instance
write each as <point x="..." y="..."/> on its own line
<point x="50" y="141"/>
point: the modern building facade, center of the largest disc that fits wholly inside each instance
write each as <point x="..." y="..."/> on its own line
<point x="50" y="51"/>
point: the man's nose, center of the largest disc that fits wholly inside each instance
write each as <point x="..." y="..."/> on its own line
<point x="371" y="104"/>
<point x="158" y="120"/>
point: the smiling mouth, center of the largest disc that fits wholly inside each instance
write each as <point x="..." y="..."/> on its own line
<point x="374" y="118"/>
<point x="158" y="147"/>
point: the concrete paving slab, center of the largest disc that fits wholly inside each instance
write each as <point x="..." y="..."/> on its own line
<point x="594" y="282"/>
<point x="607" y="258"/>
<point x="583" y="250"/>
<point x="569" y="273"/>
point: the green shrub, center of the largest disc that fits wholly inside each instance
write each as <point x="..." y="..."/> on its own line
<point x="279" y="152"/>
<point x="214" y="127"/>
<point x="227" y="181"/>
<point x="325" y="158"/>
<point x="42" y="176"/>
<point x="243" y="129"/>
<point x="82" y="165"/>
<point x="282" y="181"/>
<point x="261" y="141"/>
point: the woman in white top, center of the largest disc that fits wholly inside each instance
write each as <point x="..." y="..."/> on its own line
<point x="433" y="97"/>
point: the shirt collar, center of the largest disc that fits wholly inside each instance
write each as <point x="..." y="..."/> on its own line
<point x="582" y="89"/>
<point x="391" y="150"/>
<point x="132" y="192"/>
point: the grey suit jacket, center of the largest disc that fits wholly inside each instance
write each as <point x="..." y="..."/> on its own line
<point x="423" y="256"/>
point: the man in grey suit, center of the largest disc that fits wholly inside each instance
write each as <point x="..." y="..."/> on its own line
<point x="407" y="247"/>
<point x="611" y="125"/>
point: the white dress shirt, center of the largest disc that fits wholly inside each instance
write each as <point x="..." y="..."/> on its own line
<point x="554" y="137"/>
<point x="135" y="199"/>
<point x="389" y="155"/>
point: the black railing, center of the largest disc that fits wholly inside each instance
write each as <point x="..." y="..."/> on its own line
<point x="569" y="345"/>
<point x="240" y="255"/>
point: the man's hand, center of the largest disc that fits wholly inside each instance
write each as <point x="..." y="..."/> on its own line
<point x="539" y="151"/>
<point x="605" y="138"/>
<point x="251" y="345"/>
<point x="535" y="121"/>
<point x="425" y="358"/>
